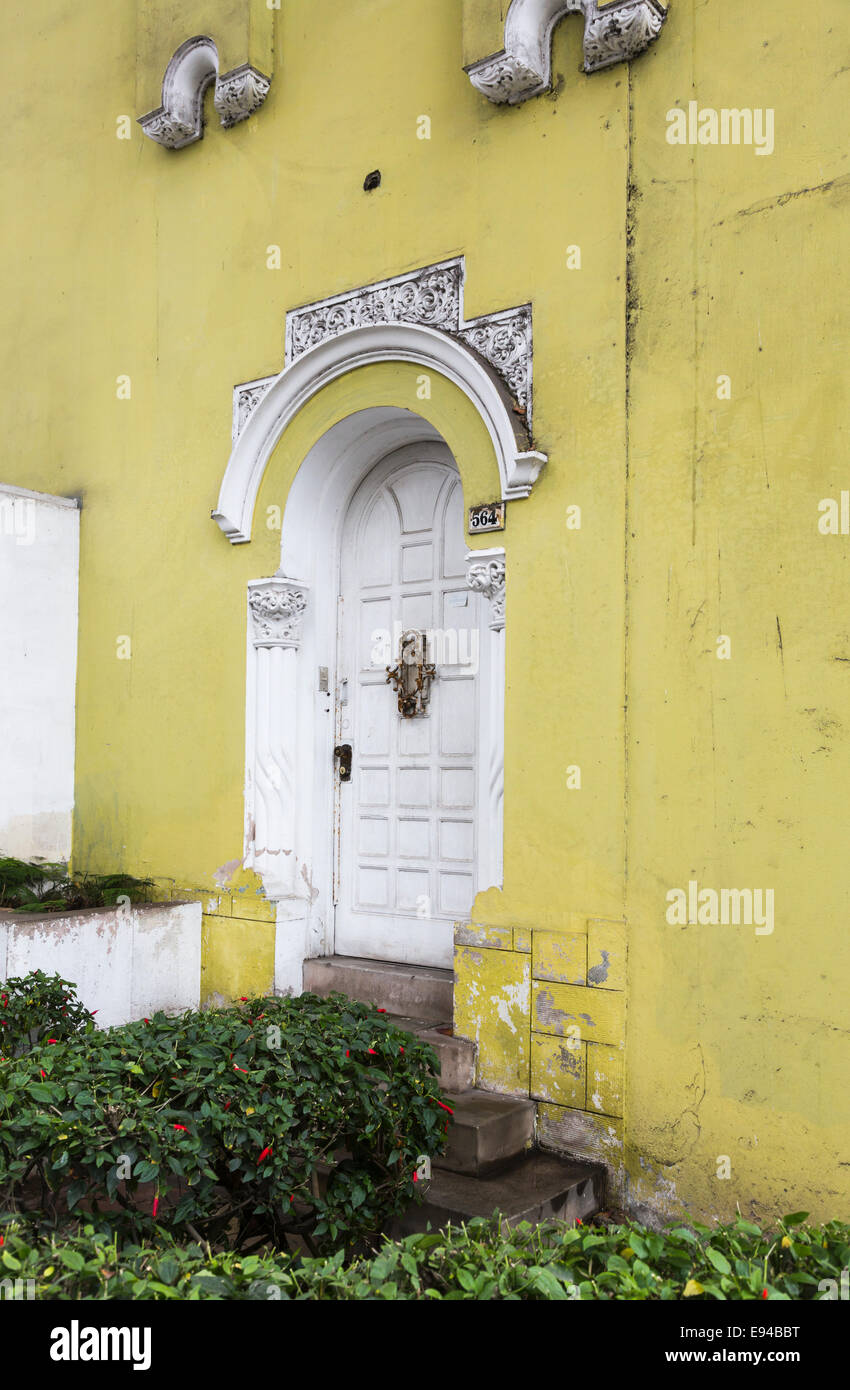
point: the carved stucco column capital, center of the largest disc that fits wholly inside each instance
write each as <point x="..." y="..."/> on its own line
<point x="277" y="607"/>
<point x="485" y="575"/>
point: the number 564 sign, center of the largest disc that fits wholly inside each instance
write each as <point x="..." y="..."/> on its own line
<point x="487" y="516"/>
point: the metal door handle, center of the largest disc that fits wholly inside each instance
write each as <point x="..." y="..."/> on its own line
<point x="343" y="752"/>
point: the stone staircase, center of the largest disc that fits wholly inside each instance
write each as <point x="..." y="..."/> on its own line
<point x="490" y="1162"/>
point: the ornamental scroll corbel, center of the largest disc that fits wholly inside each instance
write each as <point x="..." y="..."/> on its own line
<point x="485" y="575"/>
<point x="179" y="121"/>
<point x="615" y="31"/>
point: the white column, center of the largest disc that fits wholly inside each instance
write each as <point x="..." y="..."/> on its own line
<point x="485" y="574"/>
<point x="276" y="609"/>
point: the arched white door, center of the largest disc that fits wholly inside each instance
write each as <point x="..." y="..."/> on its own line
<point x="406" y="851"/>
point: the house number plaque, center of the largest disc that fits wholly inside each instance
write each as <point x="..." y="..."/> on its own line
<point x="486" y="516"/>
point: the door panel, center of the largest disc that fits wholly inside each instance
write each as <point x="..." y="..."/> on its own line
<point x="406" y="820"/>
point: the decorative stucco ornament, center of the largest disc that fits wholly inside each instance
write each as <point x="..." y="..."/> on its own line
<point x="179" y="120"/>
<point x="486" y="576"/>
<point x="277" y="608"/>
<point x="613" y="33"/>
<point x="432" y="298"/>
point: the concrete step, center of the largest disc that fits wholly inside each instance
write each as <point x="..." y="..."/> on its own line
<point x="416" y="991"/>
<point x="455" y="1056"/>
<point x="537" y="1187"/>
<point x="486" y="1133"/>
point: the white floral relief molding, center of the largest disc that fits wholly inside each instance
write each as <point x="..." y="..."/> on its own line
<point x="179" y="121"/>
<point x="614" y="32"/>
<point x="431" y="297"/>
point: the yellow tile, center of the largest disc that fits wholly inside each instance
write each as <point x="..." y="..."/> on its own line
<point x="252" y="906"/>
<point x="522" y="938"/>
<point x="560" y="956"/>
<point x="558" y="1071"/>
<point x="604" y="1079"/>
<point x="606" y="955"/>
<point x="598" y="1014"/>
<point x="488" y="938"/>
<point x="237" y="957"/>
<point x="595" y="1137"/>
<point x="491" y="1006"/>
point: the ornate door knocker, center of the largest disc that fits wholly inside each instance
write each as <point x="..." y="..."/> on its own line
<point x="412" y="676"/>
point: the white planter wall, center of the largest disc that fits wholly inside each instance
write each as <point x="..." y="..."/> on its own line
<point x="126" y="962"/>
<point x="39" y="564"/>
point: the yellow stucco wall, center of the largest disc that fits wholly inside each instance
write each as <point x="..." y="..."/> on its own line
<point x="699" y="514"/>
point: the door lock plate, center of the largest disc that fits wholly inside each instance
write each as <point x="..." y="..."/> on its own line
<point x="343" y="752"/>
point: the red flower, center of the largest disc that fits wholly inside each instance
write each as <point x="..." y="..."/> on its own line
<point x="186" y="1127"/>
<point x="415" y="1176"/>
<point x="372" y="1052"/>
<point x="445" y="1107"/>
<point x="243" y="999"/>
<point x="43" y="1073"/>
<point x="147" y="1020"/>
<point x="292" y="1199"/>
<point x="382" y="1011"/>
<point x="347" y="1052"/>
<point x="764" y="1293"/>
<point x="579" y="1221"/>
<point x="2" y="1240"/>
<point x="264" y="1154"/>
<point x="228" y="1105"/>
<point x="401" y="1049"/>
<point x="97" y="1011"/>
<point x="242" y="1069"/>
<point x="155" y="1206"/>
<point x="52" y="1040"/>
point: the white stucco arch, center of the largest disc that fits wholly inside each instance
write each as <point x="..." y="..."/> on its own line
<point x="291" y="654"/>
<point x="428" y="348"/>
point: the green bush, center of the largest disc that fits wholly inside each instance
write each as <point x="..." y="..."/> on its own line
<point x="36" y="887"/>
<point x="299" y="1115"/>
<point x="543" y="1263"/>
<point x="39" y="1009"/>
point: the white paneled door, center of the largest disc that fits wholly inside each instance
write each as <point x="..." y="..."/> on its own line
<point x="405" y="867"/>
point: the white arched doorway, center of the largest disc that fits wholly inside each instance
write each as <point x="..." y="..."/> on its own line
<point x="384" y="877"/>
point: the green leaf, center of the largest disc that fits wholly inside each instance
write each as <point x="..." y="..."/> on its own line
<point x="72" y="1259"/>
<point x="795" y="1219"/>
<point x="720" y="1262"/>
<point x="46" y="1093"/>
<point x="168" y="1269"/>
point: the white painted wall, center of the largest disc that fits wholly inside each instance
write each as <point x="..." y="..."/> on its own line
<point x="39" y="567"/>
<point x="126" y="962"/>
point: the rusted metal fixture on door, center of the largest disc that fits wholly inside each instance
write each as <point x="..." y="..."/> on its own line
<point x="413" y="675"/>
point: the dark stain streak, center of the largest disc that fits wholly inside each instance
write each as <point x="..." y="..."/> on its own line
<point x="780" y="201"/>
<point x="781" y="654"/>
<point x="696" y="615"/>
